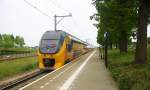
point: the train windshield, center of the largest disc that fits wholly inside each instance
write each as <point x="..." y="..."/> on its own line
<point x="49" y="46"/>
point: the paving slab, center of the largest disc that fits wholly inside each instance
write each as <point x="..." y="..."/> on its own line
<point x="94" y="76"/>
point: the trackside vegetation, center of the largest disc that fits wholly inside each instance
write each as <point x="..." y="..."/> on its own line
<point x="128" y="75"/>
<point x="125" y="22"/>
<point x="9" y="41"/>
<point x="10" y="44"/>
<point x="18" y="66"/>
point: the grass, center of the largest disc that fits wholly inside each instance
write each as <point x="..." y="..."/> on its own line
<point x="17" y="49"/>
<point x="14" y="67"/>
<point x="128" y="75"/>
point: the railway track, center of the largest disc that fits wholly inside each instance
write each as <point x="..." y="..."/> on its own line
<point x="25" y="78"/>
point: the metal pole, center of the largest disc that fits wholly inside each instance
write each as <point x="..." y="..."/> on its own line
<point x="55" y="23"/>
<point x="99" y="51"/>
<point x="103" y="50"/>
<point x="106" y="45"/>
<point x="55" y="20"/>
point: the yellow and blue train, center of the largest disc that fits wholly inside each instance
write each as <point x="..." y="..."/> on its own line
<point x="58" y="47"/>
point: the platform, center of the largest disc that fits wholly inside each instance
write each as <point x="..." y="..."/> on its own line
<point x="84" y="73"/>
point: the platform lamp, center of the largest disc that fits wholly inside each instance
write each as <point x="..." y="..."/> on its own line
<point x="106" y="35"/>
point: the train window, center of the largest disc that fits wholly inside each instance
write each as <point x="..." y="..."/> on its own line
<point x="49" y="46"/>
<point x="49" y="42"/>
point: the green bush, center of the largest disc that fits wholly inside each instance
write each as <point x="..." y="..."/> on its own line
<point x="128" y="75"/>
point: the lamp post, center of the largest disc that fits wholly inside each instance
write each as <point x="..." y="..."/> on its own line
<point x="106" y="48"/>
<point x="101" y="51"/>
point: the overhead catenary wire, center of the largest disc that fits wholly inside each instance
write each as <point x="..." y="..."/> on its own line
<point x="73" y="33"/>
<point x="60" y="7"/>
<point x="45" y="14"/>
<point x="39" y="10"/>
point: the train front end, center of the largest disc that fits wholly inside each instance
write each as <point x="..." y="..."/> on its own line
<point x="51" y="52"/>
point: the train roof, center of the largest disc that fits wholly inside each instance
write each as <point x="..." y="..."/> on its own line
<point x="77" y="39"/>
<point x="52" y="35"/>
<point x="58" y="34"/>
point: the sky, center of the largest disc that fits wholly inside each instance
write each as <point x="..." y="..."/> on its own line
<point x="19" y="18"/>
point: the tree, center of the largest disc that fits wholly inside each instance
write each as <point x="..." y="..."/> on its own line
<point x="7" y="41"/>
<point x="141" y="46"/>
<point x="19" y="41"/>
<point x="0" y="40"/>
<point x="148" y="40"/>
<point x="22" y="43"/>
<point x="117" y="17"/>
<point x="12" y="37"/>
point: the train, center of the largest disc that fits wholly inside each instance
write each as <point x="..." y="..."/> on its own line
<point x="56" y="48"/>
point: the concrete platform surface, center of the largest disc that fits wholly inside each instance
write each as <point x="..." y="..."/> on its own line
<point x="86" y="73"/>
